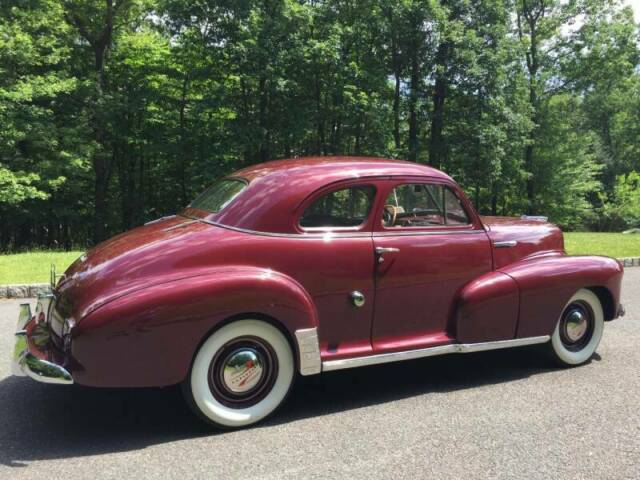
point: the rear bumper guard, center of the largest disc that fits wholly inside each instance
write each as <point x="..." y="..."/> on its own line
<point x="28" y="359"/>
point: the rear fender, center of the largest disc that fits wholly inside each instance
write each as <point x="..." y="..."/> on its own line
<point x="547" y="283"/>
<point x="149" y="337"/>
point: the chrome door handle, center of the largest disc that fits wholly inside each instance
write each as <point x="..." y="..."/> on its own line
<point x="505" y="244"/>
<point x="381" y="250"/>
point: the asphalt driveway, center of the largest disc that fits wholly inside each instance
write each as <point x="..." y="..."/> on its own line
<point x="503" y="414"/>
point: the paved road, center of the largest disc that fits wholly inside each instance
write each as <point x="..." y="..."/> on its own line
<point x="503" y="414"/>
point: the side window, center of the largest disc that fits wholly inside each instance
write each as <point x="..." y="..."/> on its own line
<point x="422" y="205"/>
<point x="454" y="212"/>
<point x="348" y="207"/>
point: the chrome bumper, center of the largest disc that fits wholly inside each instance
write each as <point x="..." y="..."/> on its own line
<point x="27" y="358"/>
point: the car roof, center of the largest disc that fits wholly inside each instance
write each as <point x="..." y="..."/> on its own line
<point x="344" y="167"/>
<point x="276" y="188"/>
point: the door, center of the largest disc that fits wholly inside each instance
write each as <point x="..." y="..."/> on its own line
<point x="333" y="260"/>
<point x="428" y="244"/>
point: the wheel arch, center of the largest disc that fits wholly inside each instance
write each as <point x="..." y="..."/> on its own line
<point x="606" y="300"/>
<point x="271" y="320"/>
<point x="156" y="331"/>
<point x="546" y="284"/>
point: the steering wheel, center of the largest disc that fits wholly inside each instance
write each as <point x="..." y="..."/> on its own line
<point x="389" y="215"/>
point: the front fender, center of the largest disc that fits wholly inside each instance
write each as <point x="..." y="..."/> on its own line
<point x="547" y="283"/>
<point x="487" y="309"/>
<point x="149" y="337"/>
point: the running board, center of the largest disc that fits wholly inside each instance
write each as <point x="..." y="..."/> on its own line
<point x="430" y="352"/>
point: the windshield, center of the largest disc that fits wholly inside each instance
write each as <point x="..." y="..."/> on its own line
<point x="219" y="195"/>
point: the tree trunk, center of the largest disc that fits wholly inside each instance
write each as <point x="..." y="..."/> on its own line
<point x="100" y="201"/>
<point x="320" y="142"/>
<point x="494" y="197"/>
<point x="182" y="161"/>
<point x="264" y="153"/>
<point x="476" y="197"/>
<point x="436" y="141"/>
<point x="413" y="106"/>
<point x="396" y="67"/>
<point x="531" y="18"/>
<point x="358" y="146"/>
<point x="396" y="111"/>
<point x="100" y="42"/>
<point x="529" y="148"/>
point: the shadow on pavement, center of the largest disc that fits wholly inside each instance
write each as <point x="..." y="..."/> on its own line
<point x="39" y="422"/>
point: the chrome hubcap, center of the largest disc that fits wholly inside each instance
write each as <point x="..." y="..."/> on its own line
<point x="243" y="370"/>
<point x="576" y="325"/>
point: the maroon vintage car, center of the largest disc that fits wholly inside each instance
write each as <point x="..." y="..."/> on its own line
<point x="309" y="265"/>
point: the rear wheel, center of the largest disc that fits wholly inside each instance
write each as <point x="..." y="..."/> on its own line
<point x="241" y="374"/>
<point x="579" y="329"/>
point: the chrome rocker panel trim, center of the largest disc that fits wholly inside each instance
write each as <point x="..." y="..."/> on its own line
<point x="26" y="363"/>
<point x="430" y="352"/>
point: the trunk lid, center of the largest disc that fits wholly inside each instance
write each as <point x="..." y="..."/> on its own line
<point x="153" y="253"/>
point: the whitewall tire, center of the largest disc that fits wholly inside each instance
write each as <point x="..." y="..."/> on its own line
<point x="240" y="374"/>
<point x="579" y="329"/>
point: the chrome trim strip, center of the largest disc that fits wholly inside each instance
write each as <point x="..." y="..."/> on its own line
<point x="439" y="232"/>
<point x="430" y="352"/>
<point x="505" y="244"/>
<point x="179" y="225"/>
<point x="536" y="218"/>
<point x="151" y="222"/>
<point x="334" y="233"/>
<point x="309" y="350"/>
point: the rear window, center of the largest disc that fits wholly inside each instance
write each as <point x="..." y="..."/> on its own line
<point x="348" y="207"/>
<point x="219" y="195"/>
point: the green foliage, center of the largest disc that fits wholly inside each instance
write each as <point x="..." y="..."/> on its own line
<point x="623" y="208"/>
<point x="17" y="187"/>
<point x="566" y="166"/>
<point x="32" y="46"/>
<point x="114" y="113"/>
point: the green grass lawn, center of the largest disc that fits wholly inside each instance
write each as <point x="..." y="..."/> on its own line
<point x="34" y="267"/>
<point x="615" y="245"/>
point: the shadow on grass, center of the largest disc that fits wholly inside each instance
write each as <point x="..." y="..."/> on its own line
<point x="40" y="422"/>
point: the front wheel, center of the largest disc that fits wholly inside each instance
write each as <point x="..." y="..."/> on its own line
<point x="241" y="374"/>
<point x="579" y="330"/>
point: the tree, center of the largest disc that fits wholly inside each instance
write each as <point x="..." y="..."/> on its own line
<point x="539" y="24"/>
<point x="115" y="112"/>
<point x="97" y="22"/>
